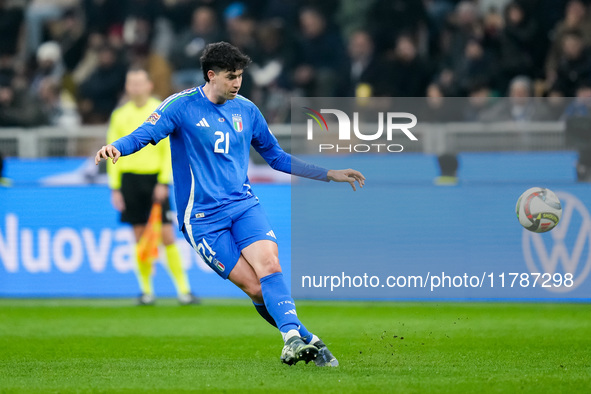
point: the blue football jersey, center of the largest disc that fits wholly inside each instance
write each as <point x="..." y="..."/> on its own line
<point x="210" y="146"/>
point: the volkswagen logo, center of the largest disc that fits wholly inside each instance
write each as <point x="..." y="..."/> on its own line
<point x="565" y="249"/>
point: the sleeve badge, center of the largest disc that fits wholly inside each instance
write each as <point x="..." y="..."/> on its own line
<point x="153" y="118"/>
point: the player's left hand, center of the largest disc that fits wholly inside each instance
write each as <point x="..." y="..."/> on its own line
<point x="348" y="175"/>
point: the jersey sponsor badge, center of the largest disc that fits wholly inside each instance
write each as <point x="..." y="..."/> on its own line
<point x="237" y="121"/>
<point x="153" y="118"/>
<point x="221" y="120"/>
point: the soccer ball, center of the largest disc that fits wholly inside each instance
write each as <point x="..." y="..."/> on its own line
<point x="538" y="209"/>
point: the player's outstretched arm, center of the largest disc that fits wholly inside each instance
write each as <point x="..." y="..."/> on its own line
<point x="106" y="152"/>
<point x="347" y="175"/>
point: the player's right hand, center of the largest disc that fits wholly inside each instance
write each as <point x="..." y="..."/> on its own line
<point x="106" y="152"/>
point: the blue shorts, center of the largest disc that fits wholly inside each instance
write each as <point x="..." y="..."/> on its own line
<point x="220" y="243"/>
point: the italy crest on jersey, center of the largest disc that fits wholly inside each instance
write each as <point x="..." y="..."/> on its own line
<point x="237" y="121"/>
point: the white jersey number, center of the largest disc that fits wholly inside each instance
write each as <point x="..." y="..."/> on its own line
<point x="206" y="254"/>
<point x="222" y="138"/>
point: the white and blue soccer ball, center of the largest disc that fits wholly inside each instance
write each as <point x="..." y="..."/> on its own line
<point x="538" y="209"/>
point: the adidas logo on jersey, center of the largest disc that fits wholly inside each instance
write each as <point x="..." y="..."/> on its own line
<point x="271" y="234"/>
<point x="202" y="123"/>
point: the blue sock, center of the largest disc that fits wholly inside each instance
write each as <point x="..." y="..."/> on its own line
<point x="279" y="303"/>
<point x="262" y="310"/>
<point x="305" y="334"/>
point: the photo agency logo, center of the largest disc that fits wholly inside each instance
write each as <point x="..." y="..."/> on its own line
<point x="390" y="122"/>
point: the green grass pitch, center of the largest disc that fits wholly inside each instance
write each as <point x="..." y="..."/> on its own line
<point x="111" y="346"/>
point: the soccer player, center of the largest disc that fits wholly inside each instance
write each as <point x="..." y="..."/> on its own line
<point x="211" y="128"/>
<point x="142" y="179"/>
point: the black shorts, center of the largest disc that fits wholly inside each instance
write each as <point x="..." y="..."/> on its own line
<point x="137" y="191"/>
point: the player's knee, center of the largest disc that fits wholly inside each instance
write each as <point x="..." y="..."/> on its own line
<point x="270" y="265"/>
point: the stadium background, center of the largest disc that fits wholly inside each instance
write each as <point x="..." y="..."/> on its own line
<point x="67" y="318"/>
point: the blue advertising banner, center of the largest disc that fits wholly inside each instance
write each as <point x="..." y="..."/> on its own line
<point x="67" y="241"/>
<point x="402" y="236"/>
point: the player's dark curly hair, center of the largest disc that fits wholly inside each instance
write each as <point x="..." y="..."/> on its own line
<point x="222" y="56"/>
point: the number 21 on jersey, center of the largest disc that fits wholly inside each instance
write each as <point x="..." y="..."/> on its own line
<point x="223" y="140"/>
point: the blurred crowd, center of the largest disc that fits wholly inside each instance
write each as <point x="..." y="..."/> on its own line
<point x="63" y="62"/>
